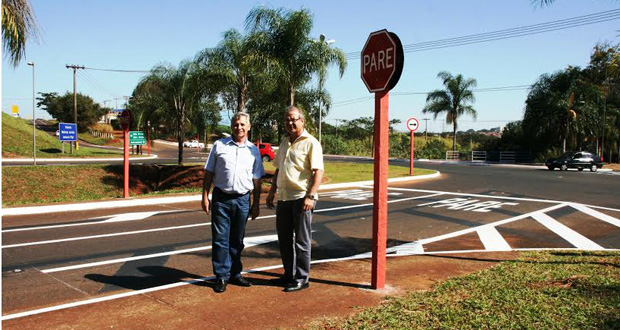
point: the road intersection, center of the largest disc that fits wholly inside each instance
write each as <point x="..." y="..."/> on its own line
<point x="55" y="261"/>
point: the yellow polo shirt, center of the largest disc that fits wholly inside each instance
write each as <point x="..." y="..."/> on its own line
<point x="295" y="162"/>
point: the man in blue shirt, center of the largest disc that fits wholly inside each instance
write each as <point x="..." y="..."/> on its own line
<point x="235" y="168"/>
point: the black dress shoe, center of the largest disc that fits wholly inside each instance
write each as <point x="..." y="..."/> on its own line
<point x="220" y="285"/>
<point x="296" y="286"/>
<point x="282" y="281"/>
<point x="240" y="281"/>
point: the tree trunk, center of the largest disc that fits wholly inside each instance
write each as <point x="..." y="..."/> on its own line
<point x="454" y="135"/>
<point x="241" y="100"/>
<point x="291" y="95"/>
<point x="181" y="133"/>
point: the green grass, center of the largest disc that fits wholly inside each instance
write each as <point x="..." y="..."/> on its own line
<point x="17" y="142"/>
<point x="30" y="185"/>
<point x="55" y="184"/>
<point x="339" y="172"/>
<point x="541" y="290"/>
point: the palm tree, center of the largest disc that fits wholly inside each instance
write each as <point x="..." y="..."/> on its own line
<point x="284" y="35"/>
<point x="453" y="100"/>
<point x="18" y="24"/>
<point x="233" y="63"/>
<point x="181" y="92"/>
<point x="328" y="57"/>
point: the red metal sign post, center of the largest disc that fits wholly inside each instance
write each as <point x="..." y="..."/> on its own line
<point x="382" y="64"/>
<point x="412" y="125"/>
<point x="126" y="123"/>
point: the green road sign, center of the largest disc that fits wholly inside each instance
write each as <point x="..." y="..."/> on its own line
<point x="137" y="138"/>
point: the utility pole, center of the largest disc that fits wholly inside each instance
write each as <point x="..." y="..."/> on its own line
<point x="322" y="76"/>
<point x="75" y="67"/>
<point x="34" y="120"/>
<point x="425" y="129"/>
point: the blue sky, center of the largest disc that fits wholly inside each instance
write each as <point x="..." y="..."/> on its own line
<point x="136" y="35"/>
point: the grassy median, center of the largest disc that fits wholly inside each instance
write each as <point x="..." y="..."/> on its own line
<point x="17" y="142"/>
<point x="31" y="185"/>
<point x="540" y="290"/>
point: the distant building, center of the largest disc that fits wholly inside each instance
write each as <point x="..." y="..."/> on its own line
<point x="111" y="115"/>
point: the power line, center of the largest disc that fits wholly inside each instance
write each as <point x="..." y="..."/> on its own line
<point x="508" y="33"/>
<point x="91" y="80"/>
<point x="119" y="70"/>
<point x="478" y="90"/>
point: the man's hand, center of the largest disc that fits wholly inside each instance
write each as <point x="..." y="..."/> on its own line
<point x="255" y="210"/>
<point x="206" y="204"/>
<point x="270" y="197"/>
<point x="308" y="204"/>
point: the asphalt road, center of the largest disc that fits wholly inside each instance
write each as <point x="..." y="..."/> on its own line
<point x="54" y="260"/>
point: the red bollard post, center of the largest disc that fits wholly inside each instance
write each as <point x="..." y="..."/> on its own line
<point x="379" y="213"/>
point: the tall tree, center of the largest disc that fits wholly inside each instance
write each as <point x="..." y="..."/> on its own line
<point x="453" y="100"/>
<point x="18" y="25"/>
<point x="285" y="36"/>
<point x="181" y="91"/>
<point x="61" y="109"/>
<point x="234" y="65"/>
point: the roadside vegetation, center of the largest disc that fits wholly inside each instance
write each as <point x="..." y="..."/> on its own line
<point x="338" y="172"/>
<point x="540" y="290"/>
<point x="17" y="142"/>
<point x="30" y="185"/>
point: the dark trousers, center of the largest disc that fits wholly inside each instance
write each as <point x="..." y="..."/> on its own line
<point x="230" y="214"/>
<point x="294" y="227"/>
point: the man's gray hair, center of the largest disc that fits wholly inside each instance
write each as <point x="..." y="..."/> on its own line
<point x="292" y="107"/>
<point x="238" y="116"/>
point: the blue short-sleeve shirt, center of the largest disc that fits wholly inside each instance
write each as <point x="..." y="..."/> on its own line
<point x="234" y="166"/>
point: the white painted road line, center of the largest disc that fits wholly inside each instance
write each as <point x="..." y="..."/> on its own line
<point x="248" y="242"/>
<point x="193" y="225"/>
<point x="493" y="224"/>
<point x="104" y="235"/>
<point x="596" y="214"/>
<point x="492" y="239"/>
<point x="115" y="261"/>
<point x="153" y="289"/>
<point x="114" y="218"/>
<point x="577" y="240"/>
<point x="479" y="195"/>
<point x="169" y="200"/>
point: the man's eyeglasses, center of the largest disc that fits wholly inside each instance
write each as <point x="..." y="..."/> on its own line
<point x="292" y="120"/>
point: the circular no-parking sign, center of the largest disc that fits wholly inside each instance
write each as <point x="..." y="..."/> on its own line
<point x="413" y="124"/>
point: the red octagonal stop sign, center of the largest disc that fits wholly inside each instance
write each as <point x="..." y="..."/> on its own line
<point x="382" y="61"/>
<point x="126" y="119"/>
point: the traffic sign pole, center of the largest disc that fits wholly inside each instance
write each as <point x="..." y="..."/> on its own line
<point x="126" y="165"/>
<point x="412" y="151"/>
<point x="126" y="119"/>
<point x="412" y="125"/>
<point x="381" y="67"/>
<point x="379" y="213"/>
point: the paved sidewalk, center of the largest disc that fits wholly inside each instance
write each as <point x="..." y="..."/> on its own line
<point x="337" y="289"/>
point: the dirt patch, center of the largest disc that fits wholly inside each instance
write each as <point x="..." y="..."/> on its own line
<point x="146" y="179"/>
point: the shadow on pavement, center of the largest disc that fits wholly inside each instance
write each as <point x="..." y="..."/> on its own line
<point x="157" y="276"/>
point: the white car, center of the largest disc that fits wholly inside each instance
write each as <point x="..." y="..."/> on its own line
<point x="193" y="144"/>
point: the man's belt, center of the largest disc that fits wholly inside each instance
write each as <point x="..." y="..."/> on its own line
<point x="230" y="194"/>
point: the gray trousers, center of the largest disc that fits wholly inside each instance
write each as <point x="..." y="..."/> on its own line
<point x="294" y="227"/>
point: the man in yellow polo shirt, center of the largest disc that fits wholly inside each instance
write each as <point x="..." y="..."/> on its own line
<point x="299" y="171"/>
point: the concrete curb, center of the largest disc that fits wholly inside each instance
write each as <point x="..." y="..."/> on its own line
<point x="30" y="210"/>
<point x="78" y="160"/>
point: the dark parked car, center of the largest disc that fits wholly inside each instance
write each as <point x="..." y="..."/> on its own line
<point x="266" y="153"/>
<point x="575" y="159"/>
